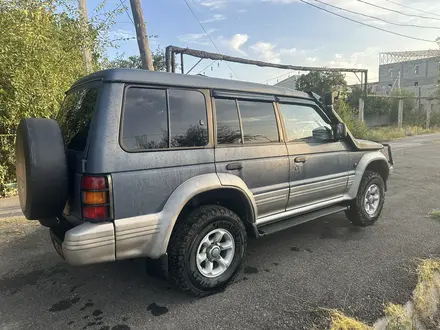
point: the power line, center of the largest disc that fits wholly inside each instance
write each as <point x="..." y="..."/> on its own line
<point x="377" y="18"/>
<point x="366" y="24"/>
<point x="398" y="11"/>
<point x="126" y="11"/>
<point x="207" y="66"/>
<point x="276" y="77"/>
<point x="412" y="8"/>
<point x="207" y="34"/>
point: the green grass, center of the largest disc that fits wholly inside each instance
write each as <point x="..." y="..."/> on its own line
<point x="435" y="215"/>
<point x="340" y="321"/>
<point x="397" y="318"/>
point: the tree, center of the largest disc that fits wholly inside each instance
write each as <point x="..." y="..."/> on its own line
<point x="321" y="82"/>
<point x="134" y="61"/>
<point x="40" y="58"/>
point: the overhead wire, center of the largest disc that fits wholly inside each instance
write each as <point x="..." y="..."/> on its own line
<point x="398" y="11"/>
<point x="207" y="34"/>
<point x="365" y="24"/>
<point x="378" y="18"/>
<point x="207" y="66"/>
<point x="126" y="11"/>
<point x="412" y="8"/>
<point x="276" y="77"/>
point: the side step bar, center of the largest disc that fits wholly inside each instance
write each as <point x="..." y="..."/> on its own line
<point x="271" y="228"/>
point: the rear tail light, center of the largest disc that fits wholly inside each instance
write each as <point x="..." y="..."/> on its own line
<point x="95" y="198"/>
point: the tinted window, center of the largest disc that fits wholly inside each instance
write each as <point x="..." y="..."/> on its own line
<point x="228" y="126"/>
<point x="188" y="118"/>
<point x="145" y="119"/>
<point x="146" y="116"/>
<point x="74" y="117"/>
<point x="300" y="121"/>
<point x="258" y="121"/>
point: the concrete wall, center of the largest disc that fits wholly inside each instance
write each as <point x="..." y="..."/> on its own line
<point x="377" y="120"/>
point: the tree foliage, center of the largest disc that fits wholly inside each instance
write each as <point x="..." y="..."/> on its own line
<point x="40" y="57"/>
<point x="134" y="61"/>
<point x="321" y="82"/>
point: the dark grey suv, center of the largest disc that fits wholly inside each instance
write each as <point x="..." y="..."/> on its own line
<point x="183" y="169"/>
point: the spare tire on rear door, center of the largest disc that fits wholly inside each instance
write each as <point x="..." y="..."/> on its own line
<point x="41" y="166"/>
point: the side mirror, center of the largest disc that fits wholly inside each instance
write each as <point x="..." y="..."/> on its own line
<point x="322" y="133"/>
<point x="340" y="131"/>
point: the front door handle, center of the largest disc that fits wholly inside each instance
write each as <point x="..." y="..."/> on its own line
<point x="234" y="166"/>
<point x="300" y="159"/>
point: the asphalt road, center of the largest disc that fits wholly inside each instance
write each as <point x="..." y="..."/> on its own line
<point x="288" y="277"/>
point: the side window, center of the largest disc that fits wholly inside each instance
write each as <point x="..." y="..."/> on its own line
<point x="300" y="121"/>
<point x="228" y="125"/>
<point x="145" y="123"/>
<point x="188" y="118"/>
<point x="258" y="121"/>
<point x="146" y="116"/>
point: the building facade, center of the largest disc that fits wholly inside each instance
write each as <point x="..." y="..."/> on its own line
<point x="419" y="75"/>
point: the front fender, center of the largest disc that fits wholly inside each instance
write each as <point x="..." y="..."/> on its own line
<point x="366" y="160"/>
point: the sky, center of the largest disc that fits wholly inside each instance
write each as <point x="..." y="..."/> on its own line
<point x="279" y="31"/>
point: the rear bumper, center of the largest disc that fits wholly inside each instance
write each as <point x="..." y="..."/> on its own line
<point x="88" y="243"/>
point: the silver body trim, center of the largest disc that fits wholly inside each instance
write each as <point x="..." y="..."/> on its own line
<point x="89" y="243"/>
<point x="148" y="235"/>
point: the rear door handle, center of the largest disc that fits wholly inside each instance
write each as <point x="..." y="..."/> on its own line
<point x="300" y="159"/>
<point x="234" y="166"/>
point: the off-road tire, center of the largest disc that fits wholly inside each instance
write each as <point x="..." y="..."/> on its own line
<point x="41" y="164"/>
<point x="356" y="213"/>
<point x="185" y="240"/>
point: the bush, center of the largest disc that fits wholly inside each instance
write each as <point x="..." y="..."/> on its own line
<point x="362" y="131"/>
<point x="41" y="56"/>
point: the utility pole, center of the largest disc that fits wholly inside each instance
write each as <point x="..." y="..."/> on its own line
<point x="87" y="56"/>
<point x="141" y="33"/>
<point x="400" y="106"/>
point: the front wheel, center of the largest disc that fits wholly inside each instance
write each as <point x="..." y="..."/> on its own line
<point x="206" y="250"/>
<point x="365" y="209"/>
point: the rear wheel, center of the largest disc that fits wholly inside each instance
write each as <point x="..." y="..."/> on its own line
<point x="365" y="209"/>
<point x="206" y="250"/>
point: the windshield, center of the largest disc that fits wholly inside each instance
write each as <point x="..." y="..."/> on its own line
<point x="75" y="115"/>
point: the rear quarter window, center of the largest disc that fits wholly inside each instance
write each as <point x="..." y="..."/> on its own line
<point x="75" y="116"/>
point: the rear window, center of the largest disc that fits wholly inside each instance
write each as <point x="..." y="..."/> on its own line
<point x="75" y="116"/>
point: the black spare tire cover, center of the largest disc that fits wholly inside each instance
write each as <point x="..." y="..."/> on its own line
<point x="41" y="166"/>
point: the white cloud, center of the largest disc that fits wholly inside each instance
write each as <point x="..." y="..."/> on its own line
<point x="212" y="4"/>
<point x="237" y="41"/>
<point x="196" y="38"/>
<point x="123" y="34"/>
<point x="265" y="51"/>
<point x="287" y="51"/>
<point x="215" y="18"/>
<point x="241" y="11"/>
